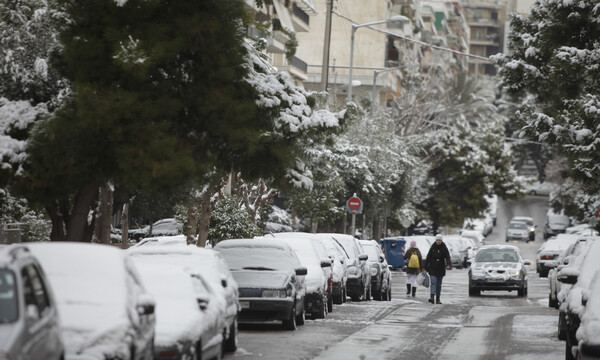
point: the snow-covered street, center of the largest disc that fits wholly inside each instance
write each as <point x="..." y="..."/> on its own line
<point x="495" y="325"/>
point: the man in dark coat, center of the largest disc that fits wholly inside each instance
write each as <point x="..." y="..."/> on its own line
<point x="436" y="263"/>
<point x="411" y="270"/>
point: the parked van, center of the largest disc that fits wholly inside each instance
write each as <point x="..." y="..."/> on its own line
<point x="555" y="224"/>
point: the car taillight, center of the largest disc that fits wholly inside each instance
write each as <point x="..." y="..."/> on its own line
<point x="546" y="257"/>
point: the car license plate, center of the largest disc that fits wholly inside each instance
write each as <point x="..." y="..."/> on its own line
<point x="245" y="304"/>
<point x="494" y="280"/>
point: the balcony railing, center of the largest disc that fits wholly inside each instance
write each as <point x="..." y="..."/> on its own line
<point x="299" y="64"/>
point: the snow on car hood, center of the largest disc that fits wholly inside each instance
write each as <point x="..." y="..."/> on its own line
<point x="263" y="279"/>
<point x="499" y="270"/>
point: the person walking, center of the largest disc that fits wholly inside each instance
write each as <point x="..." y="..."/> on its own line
<point x="436" y="263"/>
<point x="414" y="265"/>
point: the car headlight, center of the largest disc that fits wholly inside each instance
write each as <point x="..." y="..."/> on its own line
<point x="513" y="272"/>
<point x="477" y="271"/>
<point x="374" y="271"/>
<point x="274" y="293"/>
<point x="352" y="270"/>
<point x="532" y="229"/>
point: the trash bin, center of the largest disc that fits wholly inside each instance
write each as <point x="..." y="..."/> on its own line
<point x="394" y="251"/>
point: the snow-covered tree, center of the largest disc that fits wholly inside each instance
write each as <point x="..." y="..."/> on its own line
<point x="553" y="67"/>
<point x="230" y="221"/>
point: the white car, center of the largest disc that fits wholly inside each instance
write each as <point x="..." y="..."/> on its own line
<point x="359" y="284"/>
<point x="161" y="241"/>
<point x="104" y="307"/>
<point x="463" y="246"/>
<point x="190" y="316"/>
<point x="485" y="225"/>
<point x="530" y="224"/>
<point x="381" y="276"/>
<point x="563" y="260"/>
<point x="163" y="227"/>
<point x="540" y="188"/>
<point x="474" y="235"/>
<point x="340" y="266"/>
<point x="551" y="250"/>
<point x="213" y="268"/>
<point x="498" y="267"/>
<point x="555" y="224"/>
<point x="517" y="230"/>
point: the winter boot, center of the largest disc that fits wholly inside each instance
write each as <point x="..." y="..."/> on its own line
<point x="437" y="299"/>
<point x="407" y="289"/>
<point x="414" y="291"/>
<point x="431" y="299"/>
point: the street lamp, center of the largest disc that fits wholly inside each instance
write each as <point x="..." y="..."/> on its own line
<point x="356" y="27"/>
<point x="375" y="74"/>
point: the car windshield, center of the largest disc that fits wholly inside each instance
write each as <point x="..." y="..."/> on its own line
<point x="517" y="225"/>
<point x="8" y="297"/>
<point x="496" y="255"/>
<point x="260" y="258"/>
<point x="371" y="252"/>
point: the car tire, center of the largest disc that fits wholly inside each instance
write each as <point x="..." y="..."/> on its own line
<point x="389" y="292"/>
<point x="562" y="326"/>
<point x="553" y="303"/>
<point x="368" y="295"/>
<point x="301" y="319"/>
<point x="230" y="344"/>
<point x="532" y="192"/>
<point x="290" y="324"/>
<point x="474" y="292"/>
<point x="330" y="304"/>
<point x="543" y="274"/>
<point x="568" y="349"/>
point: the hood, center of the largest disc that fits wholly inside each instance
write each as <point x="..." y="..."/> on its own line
<point x="260" y="278"/>
<point x="8" y="337"/>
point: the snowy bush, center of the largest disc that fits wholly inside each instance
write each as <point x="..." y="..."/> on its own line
<point x="230" y="221"/>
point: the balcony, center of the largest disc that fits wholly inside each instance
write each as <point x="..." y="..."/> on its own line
<point x="300" y="19"/>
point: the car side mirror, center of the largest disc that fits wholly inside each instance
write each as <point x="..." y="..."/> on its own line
<point x="567" y="279"/>
<point x="32" y="313"/>
<point x="363" y="257"/>
<point x="585" y="295"/>
<point x="202" y="303"/>
<point x="224" y="283"/>
<point x="381" y="258"/>
<point x="325" y="263"/>
<point x="301" y="271"/>
<point x="146" y="304"/>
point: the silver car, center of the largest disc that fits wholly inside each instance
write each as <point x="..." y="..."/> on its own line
<point x="498" y="267"/>
<point x="29" y="322"/>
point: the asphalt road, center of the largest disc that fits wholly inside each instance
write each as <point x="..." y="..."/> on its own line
<point x="495" y="325"/>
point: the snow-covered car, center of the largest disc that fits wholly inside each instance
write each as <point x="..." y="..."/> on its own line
<point x="105" y="310"/>
<point x="498" y="267"/>
<point x="29" y="319"/>
<point x="563" y="260"/>
<point x="340" y="258"/>
<point x="190" y="316"/>
<point x="423" y="242"/>
<point x="381" y="276"/>
<point x="555" y="224"/>
<point x="214" y="270"/>
<point x="359" y="275"/>
<point x="579" y="276"/>
<point x="551" y="250"/>
<point x="319" y="277"/>
<point x="463" y="245"/>
<point x="517" y="230"/>
<point x="485" y="225"/>
<point x="475" y="235"/>
<point x="530" y="224"/>
<point x="424" y="227"/>
<point x="455" y="254"/>
<point x="161" y="241"/>
<point x="270" y="280"/>
<point x="540" y="188"/>
<point x="588" y="342"/>
<point x="581" y="229"/>
<point x="163" y="227"/>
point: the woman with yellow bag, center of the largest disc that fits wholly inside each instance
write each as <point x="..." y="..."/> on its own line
<point x="414" y="265"/>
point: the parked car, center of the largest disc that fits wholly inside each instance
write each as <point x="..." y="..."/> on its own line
<point x="29" y="320"/>
<point x="540" y="188"/>
<point x="581" y="229"/>
<point x="163" y="227"/>
<point x="517" y="230"/>
<point x="190" y="315"/>
<point x="530" y="224"/>
<point x="588" y="343"/>
<point x="359" y="278"/>
<point x="455" y="255"/>
<point x="555" y="224"/>
<point x="476" y="235"/>
<point x="424" y="227"/>
<point x="463" y="245"/>
<point x="498" y="267"/>
<point x="215" y="271"/>
<point x="270" y="280"/>
<point x="381" y="276"/>
<point x="581" y="277"/>
<point x="485" y="225"/>
<point x="319" y="277"/>
<point x="161" y="240"/>
<point x="340" y="258"/>
<point x="551" y="250"/>
<point x="423" y="242"/>
<point x="563" y="260"/>
<point x="105" y="309"/>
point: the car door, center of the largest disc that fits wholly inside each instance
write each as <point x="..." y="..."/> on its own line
<point x="42" y="340"/>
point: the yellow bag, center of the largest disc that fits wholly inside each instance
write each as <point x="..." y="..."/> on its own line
<point x="413" y="261"/>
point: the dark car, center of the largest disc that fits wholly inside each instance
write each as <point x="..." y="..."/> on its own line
<point x="381" y="276"/>
<point x="498" y="267"/>
<point x="29" y="321"/>
<point x="270" y="280"/>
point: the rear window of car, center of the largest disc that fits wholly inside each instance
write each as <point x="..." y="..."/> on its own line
<point x="8" y="297"/>
<point x="239" y="258"/>
<point x="496" y="255"/>
<point x="371" y="252"/>
<point x="517" y="225"/>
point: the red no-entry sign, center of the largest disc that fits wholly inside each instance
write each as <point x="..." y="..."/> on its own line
<point x="354" y="205"/>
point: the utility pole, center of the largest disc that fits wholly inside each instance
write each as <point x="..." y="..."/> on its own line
<point x="327" y="40"/>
